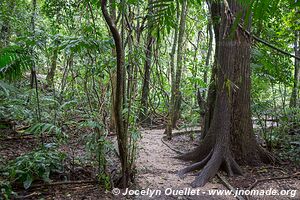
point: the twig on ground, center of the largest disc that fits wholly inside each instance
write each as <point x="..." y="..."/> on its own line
<point x="28" y="196"/>
<point x="64" y="183"/>
<point x="229" y="186"/>
<point x="175" y="150"/>
<point x="257" y="181"/>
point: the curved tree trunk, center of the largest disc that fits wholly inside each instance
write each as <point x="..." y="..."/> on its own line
<point x="230" y="136"/>
<point x="118" y="98"/>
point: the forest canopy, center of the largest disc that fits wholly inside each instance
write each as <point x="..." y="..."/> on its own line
<point x="94" y="91"/>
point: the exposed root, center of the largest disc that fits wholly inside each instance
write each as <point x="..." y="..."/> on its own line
<point x="235" y="167"/>
<point x="267" y="157"/>
<point x="198" y="154"/>
<point x="195" y="166"/>
<point x="228" y="167"/>
<point x="218" y="157"/>
<point x="210" y="169"/>
<point x="229" y="186"/>
<point x="175" y="150"/>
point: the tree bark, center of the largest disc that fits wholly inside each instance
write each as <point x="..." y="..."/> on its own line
<point x="51" y="73"/>
<point x="147" y="66"/>
<point x="33" y="68"/>
<point x="230" y="136"/>
<point x="295" y="91"/>
<point x="113" y="76"/>
<point x="209" y="53"/>
<point x="118" y="99"/>
<point x="177" y="93"/>
<point x="174" y="107"/>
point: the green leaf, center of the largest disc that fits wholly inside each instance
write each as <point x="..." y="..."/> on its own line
<point x="295" y="5"/>
<point x="46" y="176"/>
<point x="28" y="181"/>
<point x="14" y="61"/>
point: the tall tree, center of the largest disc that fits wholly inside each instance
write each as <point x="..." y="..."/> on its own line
<point x="51" y="72"/>
<point x="175" y="88"/>
<point x="147" y="65"/>
<point x="295" y="91"/>
<point x="118" y="101"/>
<point x="33" y="68"/>
<point x="230" y="136"/>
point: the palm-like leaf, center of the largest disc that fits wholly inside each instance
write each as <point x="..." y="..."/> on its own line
<point x="162" y="14"/>
<point x="14" y="61"/>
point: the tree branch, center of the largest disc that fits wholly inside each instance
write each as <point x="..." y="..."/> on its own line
<point x="268" y="44"/>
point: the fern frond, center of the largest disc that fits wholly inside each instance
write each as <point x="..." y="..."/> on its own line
<point x="14" y="61"/>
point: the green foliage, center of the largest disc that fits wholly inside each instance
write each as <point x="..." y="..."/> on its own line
<point x="36" y="165"/>
<point x="98" y="147"/>
<point x="78" y="44"/>
<point x="60" y="12"/>
<point x="7" y="89"/>
<point x="272" y="67"/>
<point x="287" y="136"/>
<point x="14" y="61"/>
<point x="162" y="16"/>
<point x="41" y="128"/>
<point x="282" y="135"/>
<point x="13" y="103"/>
<point x="72" y="36"/>
<point x="6" y="190"/>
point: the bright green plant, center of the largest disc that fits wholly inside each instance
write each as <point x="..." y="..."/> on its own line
<point x="36" y="165"/>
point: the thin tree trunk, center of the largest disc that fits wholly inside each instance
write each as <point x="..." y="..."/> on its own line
<point x="33" y="78"/>
<point x="113" y="75"/>
<point x="209" y="53"/>
<point x="51" y="73"/>
<point x="295" y="92"/>
<point x="177" y="93"/>
<point x="33" y="68"/>
<point x="202" y="98"/>
<point x="69" y="65"/>
<point x="174" y="105"/>
<point x="147" y="66"/>
<point x="118" y="99"/>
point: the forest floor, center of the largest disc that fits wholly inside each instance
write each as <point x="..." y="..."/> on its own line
<point x="156" y="169"/>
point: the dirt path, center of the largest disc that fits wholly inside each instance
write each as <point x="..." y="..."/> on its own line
<point x="157" y="169"/>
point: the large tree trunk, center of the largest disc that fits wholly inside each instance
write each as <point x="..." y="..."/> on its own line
<point x="230" y="136"/>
